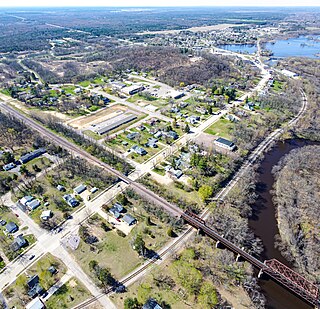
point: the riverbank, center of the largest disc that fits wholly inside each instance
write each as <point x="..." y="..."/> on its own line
<point x="264" y="224"/>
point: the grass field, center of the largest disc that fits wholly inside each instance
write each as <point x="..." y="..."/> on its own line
<point x="69" y="295"/>
<point x="221" y="128"/>
<point x="111" y="251"/>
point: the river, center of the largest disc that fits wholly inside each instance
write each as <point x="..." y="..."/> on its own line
<point x="301" y="46"/>
<point x="264" y="225"/>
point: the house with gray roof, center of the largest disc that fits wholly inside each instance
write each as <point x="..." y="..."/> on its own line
<point x="81" y="188"/>
<point x="11" y="227"/>
<point x="130" y="220"/>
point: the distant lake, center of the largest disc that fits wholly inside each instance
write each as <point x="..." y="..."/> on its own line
<point x="295" y="47"/>
<point x="240" y="48"/>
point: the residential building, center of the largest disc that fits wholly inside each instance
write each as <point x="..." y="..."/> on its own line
<point x="61" y="188"/>
<point x="11" y="227"/>
<point x="139" y="150"/>
<point x="157" y="134"/>
<point x="9" y="166"/>
<point x="133" y="89"/>
<point x="46" y="215"/>
<point x="25" y="200"/>
<point x="33" y="204"/>
<point x="35" y="304"/>
<point x="172" y="134"/>
<point x="34" y="286"/>
<point x="224" y="143"/>
<point x="176" y="94"/>
<point x="129" y="219"/>
<point x="81" y="188"/>
<point x="151" y="304"/>
<point x="32" y="155"/>
<point x="18" y="243"/>
<point x="71" y="201"/>
<point x="132" y="135"/>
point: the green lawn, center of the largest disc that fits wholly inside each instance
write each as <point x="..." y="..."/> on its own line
<point x="85" y="83"/>
<point x="277" y="85"/>
<point x="221" y="128"/>
<point x="69" y="295"/>
<point x="69" y="89"/>
<point x="93" y="135"/>
<point x="111" y="251"/>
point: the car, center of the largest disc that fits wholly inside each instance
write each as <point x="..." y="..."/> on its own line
<point x="31" y="257"/>
<point x="17" y="215"/>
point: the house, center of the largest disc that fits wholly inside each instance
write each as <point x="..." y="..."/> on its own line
<point x="151" y="304"/>
<point x="183" y="104"/>
<point x="175" y="173"/>
<point x="71" y="201"/>
<point x="9" y="166"/>
<point x="152" y="140"/>
<point x="176" y="95"/>
<point x="11" y="227"/>
<point x="139" y="150"/>
<point x="46" y="215"/>
<point x="133" y="89"/>
<point x="172" y="134"/>
<point x="35" y="304"/>
<point x="175" y="110"/>
<point x="132" y="135"/>
<point x="192" y="119"/>
<point x="129" y="219"/>
<point x="249" y="106"/>
<point x="157" y="134"/>
<point x="116" y="209"/>
<point x="141" y="128"/>
<point x="34" y="286"/>
<point x="224" y="143"/>
<point x="232" y="118"/>
<point x="33" y="204"/>
<point x="32" y="155"/>
<point x="18" y="243"/>
<point x="25" y="200"/>
<point x="61" y="188"/>
<point x="117" y="85"/>
<point x="201" y="110"/>
<point x="115" y="213"/>
<point x="81" y="188"/>
<point x="151" y="145"/>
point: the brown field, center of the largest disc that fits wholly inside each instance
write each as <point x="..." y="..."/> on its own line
<point x="85" y="121"/>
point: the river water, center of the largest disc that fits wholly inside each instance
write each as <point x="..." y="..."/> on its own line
<point x="302" y="46"/>
<point x="264" y="225"/>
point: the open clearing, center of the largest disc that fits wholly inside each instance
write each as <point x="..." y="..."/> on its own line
<point x="193" y="29"/>
<point x="103" y="115"/>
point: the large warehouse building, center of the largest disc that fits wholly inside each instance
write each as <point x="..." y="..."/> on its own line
<point x="112" y="123"/>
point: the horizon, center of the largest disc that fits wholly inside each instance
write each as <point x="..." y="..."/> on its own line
<point x="163" y="4"/>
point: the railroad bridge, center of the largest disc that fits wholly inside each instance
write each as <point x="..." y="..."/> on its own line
<point x="273" y="268"/>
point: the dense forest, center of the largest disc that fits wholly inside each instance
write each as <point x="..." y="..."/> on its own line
<point x="297" y="195"/>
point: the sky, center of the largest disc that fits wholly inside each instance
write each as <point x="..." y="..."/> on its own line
<point x="131" y="3"/>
